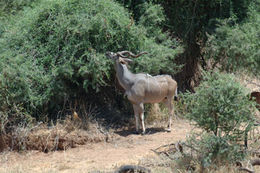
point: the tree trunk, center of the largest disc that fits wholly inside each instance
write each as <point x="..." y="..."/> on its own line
<point x="2" y="142"/>
<point x="190" y="74"/>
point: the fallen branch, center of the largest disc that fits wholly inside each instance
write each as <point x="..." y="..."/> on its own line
<point x="254" y="162"/>
<point x="167" y="145"/>
<point x="177" y="148"/>
<point x="246" y="169"/>
<point x="241" y="168"/>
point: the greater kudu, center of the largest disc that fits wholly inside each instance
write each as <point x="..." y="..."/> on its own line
<point x="143" y="88"/>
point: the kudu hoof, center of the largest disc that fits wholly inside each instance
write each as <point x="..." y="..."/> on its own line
<point x="168" y="130"/>
<point x="136" y="132"/>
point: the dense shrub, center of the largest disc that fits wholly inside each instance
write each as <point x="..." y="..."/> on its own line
<point x="153" y="19"/>
<point x="220" y="105"/>
<point x="54" y="52"/>
<point x="22" y="83"/>
<point x="8" y="7"/>
<point x="237" y="47"/>
<point x="209" y="152"/>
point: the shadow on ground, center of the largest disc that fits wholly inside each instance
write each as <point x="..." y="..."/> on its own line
<point x="149" y="131"/>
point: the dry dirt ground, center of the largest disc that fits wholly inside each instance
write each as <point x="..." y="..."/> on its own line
<point x="125" y="148"/>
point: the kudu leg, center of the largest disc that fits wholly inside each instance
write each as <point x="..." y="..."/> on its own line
<point x="170" y="110"/>
<point x="139" y="116"/>
<point x="136" y="118"/>
<point x="136" y="123"/>
<point x="142" y="120"/>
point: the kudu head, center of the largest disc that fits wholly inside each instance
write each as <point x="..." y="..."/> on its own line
<point x="121" y="57"/>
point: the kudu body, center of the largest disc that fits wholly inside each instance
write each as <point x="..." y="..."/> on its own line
<point x="143" y="88"/>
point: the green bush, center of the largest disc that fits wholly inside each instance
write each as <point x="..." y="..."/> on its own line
<point x="210" y="151"/>
<point x="17" y="81"/>
<point x="220" y="105"/>
<point x="22" y="83"/>
<point x="237" y="47"/>
<point x="56" y="50"/>
<point x="152" y="18"/>
<point x="8" y="7"/>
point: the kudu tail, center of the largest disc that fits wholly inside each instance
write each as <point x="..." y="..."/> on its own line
<point x="176" y="95"/>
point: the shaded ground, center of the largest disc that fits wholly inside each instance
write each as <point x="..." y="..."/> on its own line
<point x="125" y="148"/>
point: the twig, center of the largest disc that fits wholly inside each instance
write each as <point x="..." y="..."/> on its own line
<point x="167" y="145"/>
<point x="158" y="153"/>
<point x="191" y="147"/>
<point x="164" y="152"/>
<point x="254" y="162"/>
<point x="241" y="168"/>
<point x="246" y="169"/>
<point x="251" y="82"/>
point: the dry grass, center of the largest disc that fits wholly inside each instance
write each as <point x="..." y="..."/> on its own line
<point x="252" y="83"/>
<point x="61" y="136"/>
<point x="249" y="81"/>
<point x="156" y="114"/>
<point x="65" y="133"/>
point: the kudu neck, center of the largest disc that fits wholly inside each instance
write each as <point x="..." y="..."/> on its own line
<point x="124" y="76"/>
